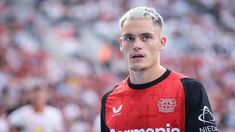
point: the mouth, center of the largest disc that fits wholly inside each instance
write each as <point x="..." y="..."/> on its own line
<point x="136" y="56"/>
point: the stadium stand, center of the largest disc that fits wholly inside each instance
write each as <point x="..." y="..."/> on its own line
<point x="72" y="46"/>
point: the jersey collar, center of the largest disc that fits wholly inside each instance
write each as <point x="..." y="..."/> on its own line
<point x="149" y="84"/>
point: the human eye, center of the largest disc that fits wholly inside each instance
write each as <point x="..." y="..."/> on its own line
<point x="146" y="37"/>
<point x="128" y="38"/>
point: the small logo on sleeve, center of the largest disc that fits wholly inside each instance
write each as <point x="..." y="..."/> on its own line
<point x="117" y="111"/>
<point x="206" y="116"/>
<point x="166" y="105"/>
<point x="209" y="121"/>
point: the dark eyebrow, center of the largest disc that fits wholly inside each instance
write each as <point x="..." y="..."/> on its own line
<point x="128" y="34"/>
<point x="146" y="34"/>
<point x="142" y="34"/>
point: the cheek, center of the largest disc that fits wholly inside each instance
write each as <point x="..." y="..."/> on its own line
<point x="153" y="49"/>
<point x="125" y="50"/>
<point x="126" y="55"/>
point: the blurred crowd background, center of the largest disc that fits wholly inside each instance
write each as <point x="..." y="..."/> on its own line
<point x="71" y="46"/>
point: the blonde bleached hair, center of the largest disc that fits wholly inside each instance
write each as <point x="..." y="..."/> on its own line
<point x="142" y="13"/>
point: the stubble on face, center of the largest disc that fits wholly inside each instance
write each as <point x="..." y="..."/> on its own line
<point x="138" y="69"/>
<point x="143" y="67"/>
<point x="130" y="28"/>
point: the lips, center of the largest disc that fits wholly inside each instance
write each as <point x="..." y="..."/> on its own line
<point x="137" y="55"/>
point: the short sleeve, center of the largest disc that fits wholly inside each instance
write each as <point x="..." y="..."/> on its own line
<point x="199" y="115"/>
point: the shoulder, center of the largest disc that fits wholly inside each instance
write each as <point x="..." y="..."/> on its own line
<point x="53" y="112"/>
<point x="194" y="89"/>
<point x="22" y="110"/>
<point x="192" y="84"/>
<point x="107" y="93"/>
<point x="118" y="88"/>
<point x="15" y="117"/>
<point x="189" y="84"/>
<point x="177" y="75"/>
<point x="52" y="109"/>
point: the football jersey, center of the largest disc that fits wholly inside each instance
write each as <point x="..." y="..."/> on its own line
<point x="25" y="118"/>
<point x="171" y="103"/>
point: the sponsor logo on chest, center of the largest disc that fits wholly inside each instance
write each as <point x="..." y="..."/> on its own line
<point x="117" y="111"/>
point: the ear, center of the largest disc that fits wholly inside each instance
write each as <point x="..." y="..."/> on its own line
<point x="162" y="42"/>
<point x="120" y="44"/>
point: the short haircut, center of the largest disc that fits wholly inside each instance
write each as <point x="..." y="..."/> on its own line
<point x="142" y="13"/>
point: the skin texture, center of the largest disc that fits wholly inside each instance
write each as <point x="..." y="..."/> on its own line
<point x="141" y="42"/>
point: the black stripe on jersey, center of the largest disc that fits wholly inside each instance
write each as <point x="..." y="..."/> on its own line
<point x="149" y="84"/>
<point x="103" y="125"/>
<point x="196" y="100"/>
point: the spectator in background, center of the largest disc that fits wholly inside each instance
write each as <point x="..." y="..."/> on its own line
<point x="3" y="121"/>
<point x="37" y="116"/>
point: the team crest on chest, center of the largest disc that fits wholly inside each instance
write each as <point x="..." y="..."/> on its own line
<point x="166" y="105"/>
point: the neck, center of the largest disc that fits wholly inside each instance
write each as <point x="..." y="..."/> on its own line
<point x="38" y="108"/>
<point x="147" y="75"/>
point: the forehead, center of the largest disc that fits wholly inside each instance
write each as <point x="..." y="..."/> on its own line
<point x="139" y="26"/>
<point x="38" y="91"/>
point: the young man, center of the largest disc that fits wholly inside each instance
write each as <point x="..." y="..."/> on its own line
<point x="153" y="98"/>
<point x="37" y="116"/>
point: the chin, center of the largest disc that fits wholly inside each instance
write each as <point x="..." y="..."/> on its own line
<point x="137" y="68"/>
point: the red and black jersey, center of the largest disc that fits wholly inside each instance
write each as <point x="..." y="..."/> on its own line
<point x="171" y="103"/>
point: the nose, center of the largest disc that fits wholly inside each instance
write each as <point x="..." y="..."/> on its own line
<point x="137" y="44"/>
